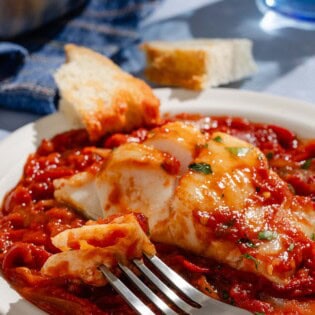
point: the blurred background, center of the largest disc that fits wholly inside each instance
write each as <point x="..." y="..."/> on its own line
<point x="284" y="48"/>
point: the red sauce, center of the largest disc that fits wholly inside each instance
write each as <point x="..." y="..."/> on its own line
<point x="170" y="164"/>
<point x="110" y="241"/>
<point x="30" y="217"/>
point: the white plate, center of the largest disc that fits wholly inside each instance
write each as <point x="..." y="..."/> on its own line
<point x="295" y="115"/>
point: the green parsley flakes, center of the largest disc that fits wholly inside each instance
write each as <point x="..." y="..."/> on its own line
<point x="269" y="155"/>
<point x="260" y="157"/>
<point x="267" y="235"/>
<point x="225" y="295"/>
<point x="202" y="146"/>
<point x="238" y="151"/>
<point x="218" y="139"/>
<point x="291" y="247"/>
<point x="204" y="168"/>
<point x="247" y="242"/>
<point x="250" y="257"/>
<point x="307" y="164"/>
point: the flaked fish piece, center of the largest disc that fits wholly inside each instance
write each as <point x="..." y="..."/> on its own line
<point x="84" y="249"/>
<point x="181" y="140"/>
<point x="138" y="178"/>
<point x="80" y="192"/>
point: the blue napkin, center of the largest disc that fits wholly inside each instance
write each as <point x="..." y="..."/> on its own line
<point x="28" y="62"/>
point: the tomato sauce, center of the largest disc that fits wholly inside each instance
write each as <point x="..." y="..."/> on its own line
<point x="30" y="216"/>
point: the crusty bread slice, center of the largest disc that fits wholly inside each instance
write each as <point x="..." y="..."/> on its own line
<point x="199" y="63"/>
<point x="99" y="96"/>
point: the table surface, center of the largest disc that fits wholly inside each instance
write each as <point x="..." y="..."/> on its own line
<point x="284" y="50"/>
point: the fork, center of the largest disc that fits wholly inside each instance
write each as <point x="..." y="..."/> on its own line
<point x="201" y="303"/>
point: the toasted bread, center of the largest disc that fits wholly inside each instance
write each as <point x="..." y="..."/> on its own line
<point x="199" y="63"/>
<point x="99" y="96"/>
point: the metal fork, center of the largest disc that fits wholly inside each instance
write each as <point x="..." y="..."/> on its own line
<point x="201" y="303"/>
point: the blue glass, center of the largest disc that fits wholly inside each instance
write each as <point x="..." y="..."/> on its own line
<point x="298" y="9"/>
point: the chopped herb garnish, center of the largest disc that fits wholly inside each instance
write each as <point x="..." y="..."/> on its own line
<point x="267" y="235"/>
<point x="204" y="168"/>
<point x="313" y="237"/>
<point x="250" y="244"/>
<point x="225" y="295"/>
<point x="291" y="247"/>
<point x="222" y="195"/>
<point x="218" y="139"/>
<point x="238" y="151"/>
<point x="250" y="257"/>
<point x="269" y="155"/>
<point x="229" y="223"/>
<point x="259" y="313"/>
<point x="260" y="157"/>
<point x="201" y="146"/>
<point x="306" y="165"/>
<point x="291" y="188"/>
<point x="247" y="242"/>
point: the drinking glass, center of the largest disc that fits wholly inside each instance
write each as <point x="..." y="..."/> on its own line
<point x="297" y="9"/>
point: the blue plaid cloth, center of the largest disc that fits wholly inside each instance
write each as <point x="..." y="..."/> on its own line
<point x="28" y="62"/>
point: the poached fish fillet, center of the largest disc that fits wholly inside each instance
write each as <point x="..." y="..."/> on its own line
<point x="223" y="202"/>
<point x="241" y="213"/>
<point x="135" y="179"/>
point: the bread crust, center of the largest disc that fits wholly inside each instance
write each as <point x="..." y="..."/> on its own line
<point x="198" y="63"/>
<point x="100" y="96"/>
<point x="185" y="68"/>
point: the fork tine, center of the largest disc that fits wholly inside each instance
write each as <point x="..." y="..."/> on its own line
<point x="209" y="305"/>
<point x="180" y="283"/>
<point x="147" y="291"/>
<point x="173" y="297"/>
<point x="128" y="295"/>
